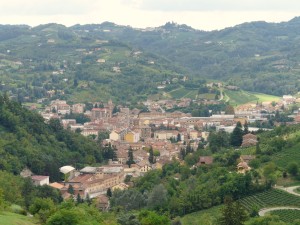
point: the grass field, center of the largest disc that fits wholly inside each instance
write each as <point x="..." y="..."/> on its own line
<point x="264" y="97"/>
<point x="248" y="151"/>
<point x="287" y="215"/>
<point x="239" y="97"/>
<point x="270" y="198"/>
<point x="7" y="218"/>
<point x="236" y="98"/>
<point x="183" y="93"/>
<point x="207" y="96"/>
<point x="204" y="217"/>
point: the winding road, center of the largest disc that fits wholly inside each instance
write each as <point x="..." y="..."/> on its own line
<point x="290" y="190"/>
<point x="262" y="212"/>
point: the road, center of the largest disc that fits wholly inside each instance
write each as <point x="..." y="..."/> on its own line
<point x="290" y="190"/>
<point x="262" y="212"/>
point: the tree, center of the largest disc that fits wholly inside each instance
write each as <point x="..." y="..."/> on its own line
<point x="71" y="189"/>
<point x="232" y="213"/>
<point x="79" y="199"/>
<point x="151" y="156"/>
<point x="109" y="193"/>
<point x="257" y="149"/>
<point x="246" y="128"/>
<point x="157" y="197"/>
<point x="178" y="137"/>
<point x="152" y="218"/>
<point x="269" y="174"/>
<point x="229" y="110"/>
<point x="43" y="208"/>
<point x="292" y="168"/>
<point x="236" y="137"/>
<point x="130" y="157"/>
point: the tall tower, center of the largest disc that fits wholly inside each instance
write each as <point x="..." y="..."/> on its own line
<point x="110" y="106"/>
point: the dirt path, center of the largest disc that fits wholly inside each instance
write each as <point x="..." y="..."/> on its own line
<point x="262" y="212"/>
<point x="290" y="190"/>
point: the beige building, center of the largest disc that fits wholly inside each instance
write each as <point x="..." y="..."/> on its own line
<point x="78" y="108"/>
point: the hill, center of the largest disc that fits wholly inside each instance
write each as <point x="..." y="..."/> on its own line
<point x="77" y="64"/>
<point x="26" y="141"/>
<point x="102" y="61"/>
<point x="257" y="56"/>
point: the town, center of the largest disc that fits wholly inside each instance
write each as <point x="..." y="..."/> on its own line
<point x="144" y="141"/>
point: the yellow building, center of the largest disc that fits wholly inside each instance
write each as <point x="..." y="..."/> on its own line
<point x="132" y="137"/>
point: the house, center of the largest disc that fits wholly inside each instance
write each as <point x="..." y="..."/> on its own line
<point x="96" y="180"/>
<point x="143" y="166"/>
<point x="56" y="185"/>
<point x="40" y="180"/>
<point x="205" y="160"/>
<point x="68" y="171"/>
<point x="78" y="108"/>
<point x="243" y="167"/>
<point x="99" y="113"/>
<point x="249" y="140"/>
<point x="88" y="132"/>
<point x="102" y="202"/>
<point x="132" y="137"/>
<point x="194" y="134"/>
<point x="60" y="106"/>
<point x="118" y="134"/>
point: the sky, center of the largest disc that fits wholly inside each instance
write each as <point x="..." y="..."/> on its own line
<point x="199" y="14"/>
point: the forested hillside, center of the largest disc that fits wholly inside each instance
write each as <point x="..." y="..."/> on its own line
<point x="26" y="141"/>
<point x="256" y="56"/>
<point x="102" y="61"/>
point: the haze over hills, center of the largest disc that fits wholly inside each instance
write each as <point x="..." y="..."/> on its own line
<point x="100" y="61"/>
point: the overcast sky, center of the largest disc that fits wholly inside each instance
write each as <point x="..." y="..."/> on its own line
<point x="200" y="14"/>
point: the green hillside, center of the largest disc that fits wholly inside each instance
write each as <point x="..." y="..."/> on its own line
<point x="26" y="141"/>
<point x="7" y="218"/>
<point x="128" y="64"/>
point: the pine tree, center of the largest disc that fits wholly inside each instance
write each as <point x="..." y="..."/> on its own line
<point x="109" y="193"/>
<point x="246" y="128"/>
<point x="236" y="137"/>
<point x="71" y="189"/>
<point x="79" y="199"/>
<point x="232" y="213"/>
<point x="88" y="199"/>
<point x="151" y="156"/>
<point x="257" y="150"/>
<point x="130" y="157"/>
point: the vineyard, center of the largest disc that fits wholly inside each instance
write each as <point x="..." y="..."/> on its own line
<point x="287" y="155"/>
<point x="287" y="215"/>
<point x="270" y="198"/>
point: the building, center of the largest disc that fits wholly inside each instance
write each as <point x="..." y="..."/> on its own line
<point x="132" y="137"/>
<point x="78" y="108"/>
<point x="249" y="140"/>
<point x="99" y="113"/>
<point x="243" y="167"/>
<point x="118" y="134"/>
<point x="60" y="107"/>
<point x="68" y="171"/>
<point x="40" y="180"/>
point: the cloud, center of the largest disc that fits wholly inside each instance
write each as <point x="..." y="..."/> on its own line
<point x="216" y="5"/>
<point x="46" y="7"/>
<point x="200" y="14"/>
